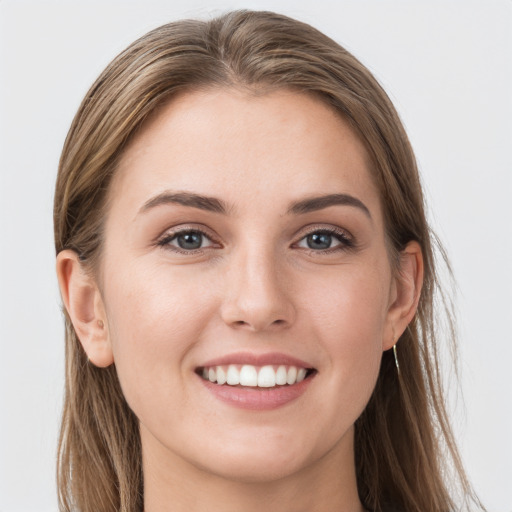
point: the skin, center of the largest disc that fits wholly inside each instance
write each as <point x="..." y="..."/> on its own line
<point x="255" y="286"/>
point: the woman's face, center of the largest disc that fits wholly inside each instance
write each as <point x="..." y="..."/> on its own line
<point x="246" y="231"/>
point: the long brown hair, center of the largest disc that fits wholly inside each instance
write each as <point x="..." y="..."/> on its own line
<point x="404" y="448"/>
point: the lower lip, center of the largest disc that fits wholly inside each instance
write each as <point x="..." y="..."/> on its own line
<point x="257" y="398"/>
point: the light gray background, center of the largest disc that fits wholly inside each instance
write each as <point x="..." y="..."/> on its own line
<point x="446" y="65"/>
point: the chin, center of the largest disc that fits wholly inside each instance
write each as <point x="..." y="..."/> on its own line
<point x="264" y="457"/>
<point x="260" y="467"/>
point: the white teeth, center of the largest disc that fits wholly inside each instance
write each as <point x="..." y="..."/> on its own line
<point x="221" y="375"/>
<point x="248" y="376"/>
<point x="233" y="376"/>
<point x="291" y="375"/>
<point x="281" y="376"/>
<point x="267" y="376"/>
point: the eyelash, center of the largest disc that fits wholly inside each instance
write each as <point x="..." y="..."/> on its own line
<point x="346" y="240"/>
<point x="166" y="240"/>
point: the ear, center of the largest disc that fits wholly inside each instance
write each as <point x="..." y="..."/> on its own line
<point x="405" y="294"/>
<point x="84" y="304"/>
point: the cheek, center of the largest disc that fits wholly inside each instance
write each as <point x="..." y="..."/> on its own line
<point x="346" y="312"/>
<point x="348" y="304"/>
<point x="155" y="318"/>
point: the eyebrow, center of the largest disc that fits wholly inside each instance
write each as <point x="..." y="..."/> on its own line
<point x="212" y="204"/>
<point x="320" y="202"/>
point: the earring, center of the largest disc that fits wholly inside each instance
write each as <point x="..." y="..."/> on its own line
<point x="396" y="359"/>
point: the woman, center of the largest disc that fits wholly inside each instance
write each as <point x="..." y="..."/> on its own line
<point x="248" y="280"/>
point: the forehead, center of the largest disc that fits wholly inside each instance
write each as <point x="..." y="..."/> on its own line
<point x="282" y="145"/>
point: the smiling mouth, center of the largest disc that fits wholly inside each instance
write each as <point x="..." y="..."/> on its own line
<point x="246" y="375"/>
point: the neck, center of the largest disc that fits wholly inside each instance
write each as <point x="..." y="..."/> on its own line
<point x="325" y="485"/>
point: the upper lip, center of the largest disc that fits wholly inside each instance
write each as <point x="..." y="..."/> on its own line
<point x="269" y="358"/>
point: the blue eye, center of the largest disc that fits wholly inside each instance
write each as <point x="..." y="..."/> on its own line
<point x="325" y="239"/>
<point x="187" y="240"/>
<point x="319" y="241"/>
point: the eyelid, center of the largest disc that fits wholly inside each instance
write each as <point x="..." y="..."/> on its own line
<point x="345" y="238"/>
<point x="315" y="228"/>
<point x="171" y="233"/>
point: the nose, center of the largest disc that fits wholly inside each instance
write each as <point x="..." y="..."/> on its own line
<point x="257" y="293"/>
